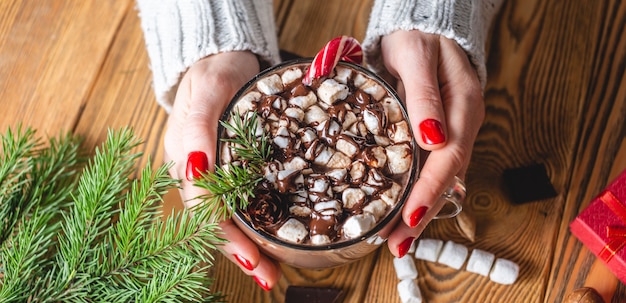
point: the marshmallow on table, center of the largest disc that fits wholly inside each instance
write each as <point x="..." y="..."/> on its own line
<point x="480" y="262"/>
<point x="504" y="271"/>
<point x="405" y="267"/>
<point x="453" y="255"/>
<point x="409" y="292"/>
<point x="428" y="249"/>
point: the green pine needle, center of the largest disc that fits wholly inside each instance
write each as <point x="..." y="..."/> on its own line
<point x="96" y="235"/>
<point x="230" y="186"/>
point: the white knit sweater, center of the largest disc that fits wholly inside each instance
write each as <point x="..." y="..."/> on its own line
<point x="180" y="32"/>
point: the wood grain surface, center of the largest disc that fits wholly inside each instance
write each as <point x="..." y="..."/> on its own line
<point x="556" y="95"/>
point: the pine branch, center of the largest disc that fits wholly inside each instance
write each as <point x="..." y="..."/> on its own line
<point x="230" y="186"/>
<point x="112" y="244"/>
<point x="16" y="148"/>
<point x="177" y="283"/>
<point x="100" y="188"/>
<point x="21" y="256"/>
<point x="48" y="179"/>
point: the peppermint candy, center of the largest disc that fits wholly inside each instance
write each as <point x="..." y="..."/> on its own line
<point x="341" y="48"/>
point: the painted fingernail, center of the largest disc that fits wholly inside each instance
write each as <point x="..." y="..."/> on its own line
<point x="244" y="262"/>
<point x="197" y="163"/>
<point x="417" y="216"/>
<point x="404" y="247"/>
<point x="432" y="132"/>
<point x="262" y="283"/>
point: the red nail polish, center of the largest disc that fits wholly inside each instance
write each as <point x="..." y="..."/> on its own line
<point x="417" y="216"/>
<point x="262" y="283"/>
<point x="432" y="132"/>
<point x="197" y="163"/>
<point x="403" y="248"/>
<point x="244" y="262"/>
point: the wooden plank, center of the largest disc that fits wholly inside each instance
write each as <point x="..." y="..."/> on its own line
<point x="310" y="24"/>
<point x="600" y="151"/>
<point x="123" y="96"/>
<point x="50" y="55"/>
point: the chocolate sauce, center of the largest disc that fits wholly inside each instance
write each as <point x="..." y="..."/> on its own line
<point x="269" y="209"/>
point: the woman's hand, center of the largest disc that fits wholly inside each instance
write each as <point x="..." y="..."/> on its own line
<point x="191" y="138"/>
<point x="445" y="105"/>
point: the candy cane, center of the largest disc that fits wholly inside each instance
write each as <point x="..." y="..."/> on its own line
<point x="341" y="48"/>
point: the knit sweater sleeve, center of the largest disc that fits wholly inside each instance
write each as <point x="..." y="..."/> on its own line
<point x="465" y="21"/>
<point x="178" y="33"/>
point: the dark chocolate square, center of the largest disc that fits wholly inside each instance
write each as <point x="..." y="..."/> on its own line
<point x="301" y="294"/>
<point x="527" y="184"/>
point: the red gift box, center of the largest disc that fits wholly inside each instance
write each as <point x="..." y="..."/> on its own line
<point x="602" y="226"/>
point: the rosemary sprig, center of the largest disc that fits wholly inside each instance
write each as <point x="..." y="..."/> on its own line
<point x="230" y="186"/>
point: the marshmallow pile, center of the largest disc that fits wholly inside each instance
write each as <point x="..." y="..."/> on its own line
<point x="454" y="255"/>
<point x="342" y="154"/>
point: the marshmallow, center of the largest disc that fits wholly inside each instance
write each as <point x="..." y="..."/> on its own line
<point x="392" y="194"/>
<point x="504" y="271"/>
<point x="453" y="255"/>
<point x="373" y="89"/>
<point x="377" y="208"/>
<point x="399" y="132"/>
<point x="296" y="163"/>
<point x="357" y="171"/>
<point x="292" y="231"/>
<point x="291" y="75"/>
<point x="318" y="184"/>
<point x="295" y="113"/>
<point x="328" y="208"/>
<point x="346" y="145"/>
<point x="357" y="225"/>
<point x="405" y="267"/>
<point x="372" y="122"/>
<point x="337" y="175"/>
<point x="352" y="197"/>
<point x="282" y="138"/>
<point x="322" y="156"/>
<point x="315" y="115"/>
<point x="376" y="156"/>
<point x="409" y="292"/>
<point x="339" y="160"/>
<point x="305" y="101"/>
<point x="399" y="158"/>
<point x="320" y="239"/>
<point x="382" y="140"/>
<point x="270" y="85"/>
<point x="246" y="103"/>
<point x="330" y="91"/>
<point x="428" y="249"/>
<point x="480" y="262"/>
<point x="393" y="110"/>
<point x="307" y="136"/>
<point x="349" y="119"/>
<point x="342" y="74"/>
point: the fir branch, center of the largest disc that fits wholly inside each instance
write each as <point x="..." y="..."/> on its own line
<point x="168" y="285"/>
<point x="138" y="213"/>
<point x="21" y="256"/>
<point x="100" y="188"/>
<point x="49" y="178"/>
<point x="230" y="186"/>
<point x="250" y="142"/>
<point x="17" y="147"/>
<point x="111" y="245"/>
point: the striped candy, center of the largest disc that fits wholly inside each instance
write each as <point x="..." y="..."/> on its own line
<point x="341" y="48"/>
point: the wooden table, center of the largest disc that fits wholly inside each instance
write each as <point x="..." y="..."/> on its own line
<point x="556" y="96"/>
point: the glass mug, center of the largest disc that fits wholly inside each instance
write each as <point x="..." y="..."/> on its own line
<point x="306" y="255"/>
